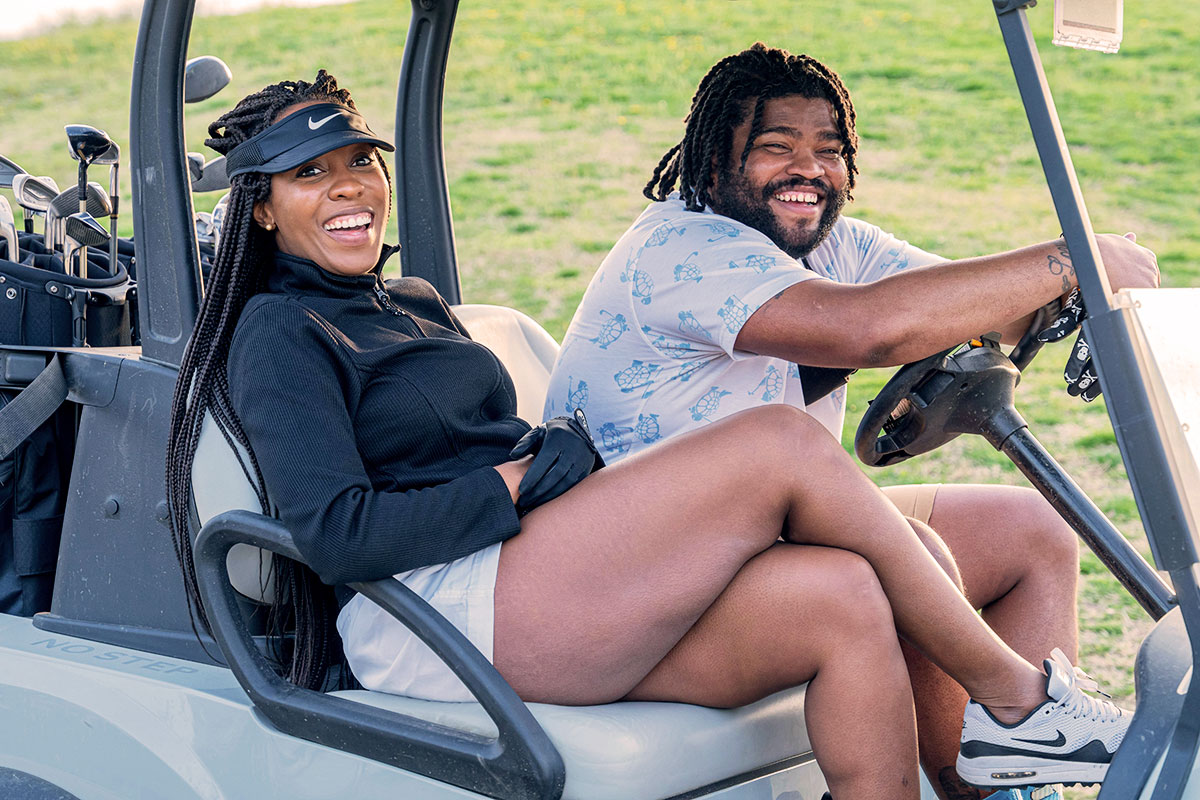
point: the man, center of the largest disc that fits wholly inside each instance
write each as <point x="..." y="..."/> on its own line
<point x="743" y="267"/>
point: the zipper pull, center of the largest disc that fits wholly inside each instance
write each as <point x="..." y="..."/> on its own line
<point x="386" y="301"/>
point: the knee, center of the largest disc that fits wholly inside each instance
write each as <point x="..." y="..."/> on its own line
<point x="1046" y="537"/>
<point x="853" y="600"/>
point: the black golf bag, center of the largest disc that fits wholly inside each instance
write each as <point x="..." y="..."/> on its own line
<point x="42" y="306"/>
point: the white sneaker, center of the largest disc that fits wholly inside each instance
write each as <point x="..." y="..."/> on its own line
<point x="1070" y="738"/>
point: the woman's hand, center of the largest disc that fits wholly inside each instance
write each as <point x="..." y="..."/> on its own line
<point x="512" y="472"/>
<point x="564" y="454"/>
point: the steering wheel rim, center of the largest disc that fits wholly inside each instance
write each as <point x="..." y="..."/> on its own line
<point x="900" y="386"/>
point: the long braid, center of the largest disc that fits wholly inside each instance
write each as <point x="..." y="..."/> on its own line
<point x="304" y="606"/>
<point x="758" y="73"/>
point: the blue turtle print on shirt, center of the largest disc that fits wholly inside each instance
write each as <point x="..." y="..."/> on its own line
<point x="647" y="428"/>
<point x="610" y="330"/>
<point x="672" y="348"/>
<point x="643" y="286"/>
<point x="720" y="230"/>
<point x="708" y="404"/>
<point x="757" y="261"/>
<point x="689" y="324"/>
<point x="735" y="313"/>
<point x="894" y="262"/>
<point x="794" y="371"/>
<point x="577" y="397"/>
<point x="687" y="271"/>
<point x="839" y="397"/>
<point x="612" y="438"/>
<point x="637" y="375"/>
<point x="771" y="384"/>
<point x="662" y="233"/>
<point x="686" y="370"/>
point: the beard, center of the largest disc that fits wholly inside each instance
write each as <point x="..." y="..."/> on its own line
<point x="741" y="201"/>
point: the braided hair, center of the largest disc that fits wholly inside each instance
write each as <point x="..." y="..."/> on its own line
<point x="759" y="73"/>
<point x="304" y="606"/>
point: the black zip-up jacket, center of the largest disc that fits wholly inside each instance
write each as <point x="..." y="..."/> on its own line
<point x="375" y="420"/>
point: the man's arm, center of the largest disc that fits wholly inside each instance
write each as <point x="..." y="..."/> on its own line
<point x="918" y="312"/>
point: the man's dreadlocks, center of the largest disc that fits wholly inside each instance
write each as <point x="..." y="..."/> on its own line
<point x="720" y="105"/>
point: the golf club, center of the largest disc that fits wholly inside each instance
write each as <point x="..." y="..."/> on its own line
<point x="85" y="144"/>
<point x="7" y="170"/>
<point x="204" y="227"/>
<point x="212" y="177"/>
<point x="33" y="195"/>
<point x="66" y="203"/>
<point x="218" y="219"/>
<point x="8" y="229"/>
<point x="195" y="162"/>
<point x="112" y="158"/>
<point x="81" y="231"/>
<point x="203" y="77"/>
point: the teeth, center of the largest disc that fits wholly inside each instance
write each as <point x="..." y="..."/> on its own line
<point x="349" y="221"/>
<point x="798" y="197"/>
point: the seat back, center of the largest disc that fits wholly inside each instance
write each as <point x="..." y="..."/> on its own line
<point x="220" y="473"/>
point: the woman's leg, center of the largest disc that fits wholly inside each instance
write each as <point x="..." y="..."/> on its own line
<point x="798" y="613"/>
<point x="604" y="581"/>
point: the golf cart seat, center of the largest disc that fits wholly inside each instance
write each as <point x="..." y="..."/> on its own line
<point x="629" y="750"/>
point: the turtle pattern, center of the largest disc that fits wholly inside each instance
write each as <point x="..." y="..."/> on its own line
<point x="612" y="438"/>
<point x="686" y="370"/>
<point x="688" y="324"/>
<point x="643" y="286"/>
<point x="662" y="234"/>
<point x="577" y="397"/>
<point x="708" y="404"/>
<point x="771" y="384"/>
<point x="756" y="261"/>
<point x="638" y="375"/>
<point x="721" y="230"/>
<point x="647" y="428"/>
<point x="610" y="330"/>
<point x="735" y="313"/>
<point x="671" y="348"/>
<point x="687" y="271"/>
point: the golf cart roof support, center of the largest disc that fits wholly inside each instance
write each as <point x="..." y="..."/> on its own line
<point x="1141" y="444"/>
<point x="422" y="197"/>
<point x="168" y="258"/>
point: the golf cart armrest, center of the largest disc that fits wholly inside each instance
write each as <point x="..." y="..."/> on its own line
<point x="520" y="763"/>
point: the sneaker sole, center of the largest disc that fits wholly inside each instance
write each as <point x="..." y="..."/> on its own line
<point x="1024" y="770"/>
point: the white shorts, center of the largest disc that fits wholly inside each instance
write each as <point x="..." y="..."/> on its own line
<point x="386" y="657"/>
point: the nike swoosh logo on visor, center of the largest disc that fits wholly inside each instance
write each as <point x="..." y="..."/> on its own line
<point x="312" y="126"/>
<point x="1058" y="741"/>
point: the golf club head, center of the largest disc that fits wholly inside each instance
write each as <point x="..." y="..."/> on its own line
<point x="213" y="178"/>
<point x="110" y="156"/>
<point x="67" y="201"/>
<point x="195" y="163"/>
<point x="218" y="218"/>
<point x="203" y="77"/>
<point x="86" y="143"/>
<point x="7" y="170"/>
<point x="83" y="229"/>
<point x="34" y="193"/>
<point x="204" y="227"/>
<point x="8" y="230"/>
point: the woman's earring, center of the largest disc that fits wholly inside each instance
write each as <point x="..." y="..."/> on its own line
<point x="270" y="226"/>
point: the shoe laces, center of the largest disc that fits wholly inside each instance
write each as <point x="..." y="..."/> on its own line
<point x="1075" y="701"/>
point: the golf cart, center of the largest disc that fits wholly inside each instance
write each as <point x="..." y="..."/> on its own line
<point x="111" y="693"/>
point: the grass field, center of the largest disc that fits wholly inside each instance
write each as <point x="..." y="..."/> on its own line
<point x="556" y="113"/>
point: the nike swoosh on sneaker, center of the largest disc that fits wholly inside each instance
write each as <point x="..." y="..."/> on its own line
<point x="1058" y="741"/>
<point x="312" y="126"/>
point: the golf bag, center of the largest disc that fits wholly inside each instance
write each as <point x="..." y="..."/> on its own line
<point x="42" y="306"/>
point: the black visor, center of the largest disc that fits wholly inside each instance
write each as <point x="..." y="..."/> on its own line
<point x="300" y="137"/>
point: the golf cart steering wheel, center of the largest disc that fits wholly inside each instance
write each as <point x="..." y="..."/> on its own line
<point x="965" y="389"/>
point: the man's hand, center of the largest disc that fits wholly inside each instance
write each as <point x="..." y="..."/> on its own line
<point x="1128" y="264"/>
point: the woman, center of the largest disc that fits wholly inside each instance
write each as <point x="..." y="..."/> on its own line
<point x="390" y="445"/>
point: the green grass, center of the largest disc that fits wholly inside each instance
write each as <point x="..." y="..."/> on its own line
<point x="555" y="115"/>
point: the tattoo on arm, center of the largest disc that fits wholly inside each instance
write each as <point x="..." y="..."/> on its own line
<point x="1060" y="265"/>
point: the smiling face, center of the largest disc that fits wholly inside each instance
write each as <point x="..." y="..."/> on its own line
<point x="794" y="184"/>
<point x="330" y="210"/>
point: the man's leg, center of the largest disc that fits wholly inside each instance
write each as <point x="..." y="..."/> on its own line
<point x="1019" y="563"/>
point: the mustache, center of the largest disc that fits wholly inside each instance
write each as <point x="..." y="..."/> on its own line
<point x="797" y="183"/>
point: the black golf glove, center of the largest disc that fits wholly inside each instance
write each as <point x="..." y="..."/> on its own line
<point x="565" y="455"/>
<point x="1080" y="374"/>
